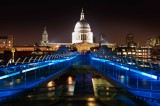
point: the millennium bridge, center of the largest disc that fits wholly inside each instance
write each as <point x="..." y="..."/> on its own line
<point x="136" y="78"/>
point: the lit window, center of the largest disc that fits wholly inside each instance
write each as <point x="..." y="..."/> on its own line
<point x="133" y="53"/>
<point x="9" y="42"/>
<point x="124" y="53"/>
<point x="123" y="50"/>
<point x="139" y="53"/>
<point x="129" y="52"/>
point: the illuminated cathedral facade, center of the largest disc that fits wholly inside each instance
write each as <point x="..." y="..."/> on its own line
<point x="82" y="31"/>
<point x="82" y="37"/>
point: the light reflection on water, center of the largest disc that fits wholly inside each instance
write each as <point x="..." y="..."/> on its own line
<point x="91" y="104"/>
<point x="71" y="85"/>
<point x="68" y="84"/>
<point x="70" y="80"/>
<point x="51" y="84"/>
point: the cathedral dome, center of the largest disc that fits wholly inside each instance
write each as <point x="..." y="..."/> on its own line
<point x="82" y="31"/>
<point x="82" y="25"/>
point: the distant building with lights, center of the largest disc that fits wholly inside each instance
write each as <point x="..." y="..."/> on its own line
<point x="82" y="39"/>
<point x="45" y="40"/>
<point x="154" y="41"/>
<point x="130" y="40"/>
<point x="132" y="50"/>
<point x="126" y="51"/>
<point x="143" y="52"/>
<point x="154" y="44"/>
<point x="6" y="42"/>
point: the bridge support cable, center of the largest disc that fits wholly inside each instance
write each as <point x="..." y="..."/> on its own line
<point x="17" y="61"/>
<point x="24" y="60"/>
<point x="30" y="59"/>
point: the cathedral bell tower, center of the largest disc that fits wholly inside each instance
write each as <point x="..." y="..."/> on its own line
<point x="44" y="41"/>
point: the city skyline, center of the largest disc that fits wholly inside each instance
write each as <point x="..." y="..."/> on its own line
<point x="26" y="21"/>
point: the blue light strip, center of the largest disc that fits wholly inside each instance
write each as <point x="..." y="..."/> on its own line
<point x="49" y="62"/>
<point x="143" y="73"/>
<point x="9" y="75"/>
<point x="126" y="68"/>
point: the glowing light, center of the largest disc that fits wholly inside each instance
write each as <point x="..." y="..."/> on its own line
<point x="9" y="75"/>
<point x="126" y="68"/>
<point x="35" y="67"/>
<point x="90" y="99"/>
<point x="29" y="96"/>
<point x="70" y="80"/>
<point x="143" y="73"/>
<point x="50" y="84"/>
<point x="111" y="63"/>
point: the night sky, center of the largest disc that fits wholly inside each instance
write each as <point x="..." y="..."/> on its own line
<point x="27" y="19"/>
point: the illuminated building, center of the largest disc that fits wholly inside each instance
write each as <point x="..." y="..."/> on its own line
<point x="82" y="39"/>
<point x="130" y="40"/>
<point x="126" y="51"/>
<point x="131" y="50"/>
<point x="154" y="41"/>
<point x="44" y="41"/>
<point x="82" y="31"/>
<point x="143" y="52"/>
<point x="154" y="44"/>
<point x="6" y="42"/>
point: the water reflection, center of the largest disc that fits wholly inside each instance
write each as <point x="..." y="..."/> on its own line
<point x="50" y="84"/>
<point x="90" y="99"/>
<point x="70" y="80"/>
<point x="71" y="85"/>
<point x="91" y="104"/>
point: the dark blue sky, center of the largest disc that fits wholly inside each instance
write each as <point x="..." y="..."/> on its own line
<point x="26" y="19"/>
